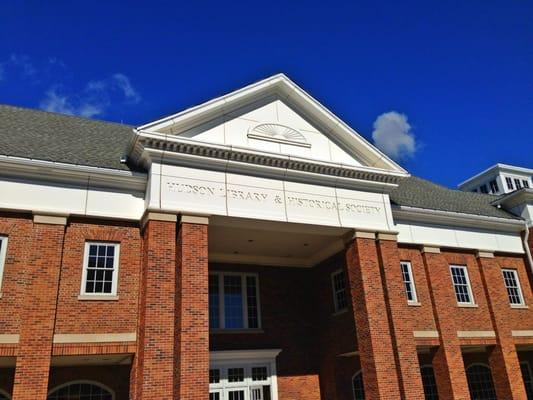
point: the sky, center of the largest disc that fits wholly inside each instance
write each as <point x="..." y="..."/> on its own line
<point x="445" y="88"/>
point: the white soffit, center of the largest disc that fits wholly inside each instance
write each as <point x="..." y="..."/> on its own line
<point x="282" y="88"/>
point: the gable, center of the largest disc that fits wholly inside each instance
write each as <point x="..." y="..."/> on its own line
<point x="276" y="116"/>
<point x="270" y="125"/>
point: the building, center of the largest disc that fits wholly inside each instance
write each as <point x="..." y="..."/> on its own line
<point x="499" y="179"/>
<point x="254" y="247"/>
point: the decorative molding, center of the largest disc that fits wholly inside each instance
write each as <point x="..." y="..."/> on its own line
<point x="194" y="219"/>
<point x="230" y="355"/>
<point x="49" y="219"/>
<point x="430" y="249"/>
<point x="484" y="254"/>
<point x="94" y="337"/>
<point x="157" y="216"/>
<point x="9" y="338"/>
<point x="524" y="333"/>
<point x="426" y="334"/>
<point x="102" y="297"/>
<point x="476" y="334"/>
<point x="278" y="133"/>
<point x="415" y="214"/>
<point x="364" y="235"/>
<point x="387" y="236"/>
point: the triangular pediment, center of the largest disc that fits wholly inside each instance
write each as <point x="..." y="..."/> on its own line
<point x="275" y="116"/>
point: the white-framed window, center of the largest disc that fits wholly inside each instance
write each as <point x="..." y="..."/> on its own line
<point x="461" y="284"/>
<point x="526" y="183"/>
<point x="494" y="186"/>
<point x="512" y="284"/>
<point x="483" y="188"/>
<point x="84" y="389"/>
<point x="509" y="183"/>
<point x="234" y="301"/>
<point x="358" y="388"/>
<point x="100" y="269"/>
<point x="517" y="183"/>
<point x="3" y="251"/>
<point x="408" y="282"/>
<point x="338" y="285"/>
<point x="243" y="375"/>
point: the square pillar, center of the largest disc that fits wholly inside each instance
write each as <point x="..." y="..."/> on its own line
<point x="152" y="374"/>
<point x="503" y="358"/>
<point x="448" y="362"/>
<point x="372" y="325"/>
<point x="45" y="251"/>
<point x="406" y="356"/>
<point x="192" y="310"/>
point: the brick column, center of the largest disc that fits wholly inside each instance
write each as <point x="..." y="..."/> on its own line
<point x="45" y="248"/>
<point x="192" y="310"/>
<point x="503" y="358"/>
<point x="153" y="372"/>
<point x="372" y="325"/>
<point x="448" y="361"/>
<point x="404" y="346"/>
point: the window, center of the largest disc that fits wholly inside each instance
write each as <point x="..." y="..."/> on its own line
<point x="100" y="272"/>
<point x="528" y="381"/>
<point x="358" y="387"/>
<point x="517" y="183"/>
<point x="233" y="301"/>
<point x="512" y="284"/>
<point x="483" y="188"/>
<point x="408" y="281"/>
<point x="526" y="183"/>
<point x="509" y="183"/>
<point x="243" y="376"/>
<point x="429" y="383"/>
<point x="494" y="186"/>
<point x="85" y="390"/>
<point x="461" y="284"/>
<point x="3" y="251"/>
<point x="340" y="299"/>
<point x="480" y="382"/>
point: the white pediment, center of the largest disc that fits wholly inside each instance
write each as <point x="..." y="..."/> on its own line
<point x="274" y="116"/>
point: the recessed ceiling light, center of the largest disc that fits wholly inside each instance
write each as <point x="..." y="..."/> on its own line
<point x="306" y="244"/>
<point x="235" y="252"/>
<point x="250" y="240"/>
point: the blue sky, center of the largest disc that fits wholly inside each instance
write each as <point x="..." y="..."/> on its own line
<point x="445" y="87"/>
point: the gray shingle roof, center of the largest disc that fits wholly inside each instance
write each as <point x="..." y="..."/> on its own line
<point x="55" y="137"/>
<point x="417" y="192"/>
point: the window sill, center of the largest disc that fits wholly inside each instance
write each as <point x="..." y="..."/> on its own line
<point x="234" y="331"/>
<point x="340" y="312"/>
<point x="520" y="306"/>
<point x="89" y="297"/>
<point x="466" y="305"/>
<point x="414" y="304"/>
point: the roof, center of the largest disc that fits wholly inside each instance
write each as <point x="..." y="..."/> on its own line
<point x="420" y="193"/>
<point x="495" y="169"/>
<point x="61" y="138"/>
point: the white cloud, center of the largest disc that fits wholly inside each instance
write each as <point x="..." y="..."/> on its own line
<point x="18" y="64"/>
<point x="393" y="135"/>
<point x="94" y="99"/>
<point x="61" y="103"/>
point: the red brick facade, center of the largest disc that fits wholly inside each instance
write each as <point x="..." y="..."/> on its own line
<point x="162" y="299"/>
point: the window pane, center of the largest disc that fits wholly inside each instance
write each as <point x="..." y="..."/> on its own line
<point x="358" y="388"/>
<point x="259" y="373"/>
<point x="214" y="396"/>
<point x="251" y="299"/>
<point x="480" y="383"/>
<point x="339" y="291"/>
<point x="100" y="268"/>
<point x="214" y="376"/>
<point x="214" y="302"/>
<point x="235" y="374"/>
<point x="460" y="284"/>
<point x="408" y="281"/>
<point x="429" y="383"/>
<point x="233" y="302"/>
<point x="510" y="280"/>
<point x="528" y="382"/>
<point x="236" y="395"/>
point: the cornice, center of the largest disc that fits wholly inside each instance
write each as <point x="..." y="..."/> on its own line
<point x="404" y="213"/>
<point x="47" y="171"/>
<point x="172" y="149"/>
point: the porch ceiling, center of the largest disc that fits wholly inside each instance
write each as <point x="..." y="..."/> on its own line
<point x="245" y="241"/>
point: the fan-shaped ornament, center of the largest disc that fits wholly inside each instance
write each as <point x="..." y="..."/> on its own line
<point x="278" y="133"/>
